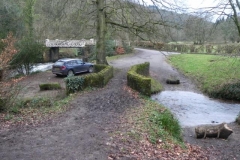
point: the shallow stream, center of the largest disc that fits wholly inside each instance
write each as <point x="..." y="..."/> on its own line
<point x="193" y="109"/>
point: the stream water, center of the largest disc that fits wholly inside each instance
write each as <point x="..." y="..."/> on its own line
<point x="192" y="109"/>
<point x="42" y="67"/>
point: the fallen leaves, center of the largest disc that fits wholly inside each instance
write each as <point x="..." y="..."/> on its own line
<point x="133" y="93"/>
<point x="130" y="141"/>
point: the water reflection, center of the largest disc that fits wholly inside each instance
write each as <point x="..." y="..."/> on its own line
<point x="193" y="109"/>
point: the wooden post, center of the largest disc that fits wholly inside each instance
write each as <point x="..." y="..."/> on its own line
<point x="213" y="131"/>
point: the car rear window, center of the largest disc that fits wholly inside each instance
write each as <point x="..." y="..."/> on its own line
<point x="79" y="61"/>
<point x="59" y="63"/>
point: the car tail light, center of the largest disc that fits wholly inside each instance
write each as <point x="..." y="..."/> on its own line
<point x="63" y="67"/>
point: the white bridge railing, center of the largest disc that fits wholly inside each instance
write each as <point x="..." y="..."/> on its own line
<point x="69" y="43"/>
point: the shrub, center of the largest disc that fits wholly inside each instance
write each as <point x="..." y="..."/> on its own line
<point x="7" y="53"/>
<point x="158" y="45"/>
<point x="110" y="48"/>
<point x="99" y="67"/>
<point x="94" y="80"/>
<point x="107" y="74"/>
<point x="49" y="86"/>
<point x="151" y="45"/>
<point x="8" y="93"/>
<point x="136" y="78"/>
<point x="9" y="89"/>
<point x="74" y="84"/>
<point x="127" y="48"/>
<point x="99" y="79"/>
<point x="230" y="91"/>
<point x="30" y="53"/>
<point x="230" y="49"/>
<point x="143" y="69"/>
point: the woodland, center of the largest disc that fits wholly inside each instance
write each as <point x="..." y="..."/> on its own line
<point x="33" y="21"/>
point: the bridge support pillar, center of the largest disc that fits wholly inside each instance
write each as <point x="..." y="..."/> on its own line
<point x="86" y="52"/>
<point x="53" y="54"/>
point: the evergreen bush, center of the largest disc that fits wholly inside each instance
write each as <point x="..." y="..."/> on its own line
<point x="100" y="78"/>
<point x="137" y="78"/>
<point x="49" y="86"/>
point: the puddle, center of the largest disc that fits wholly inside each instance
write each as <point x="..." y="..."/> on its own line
<point x="193" y="109"/>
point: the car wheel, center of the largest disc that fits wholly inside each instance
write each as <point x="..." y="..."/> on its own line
<point x="70" y="73"/>
<point x="90" y="69"/>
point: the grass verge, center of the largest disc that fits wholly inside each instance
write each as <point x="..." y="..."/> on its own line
<point x="158" y="122"/>
<point x="154" y="122"/>
<point x="33" y="111"/>
<point x="211" y="72"/>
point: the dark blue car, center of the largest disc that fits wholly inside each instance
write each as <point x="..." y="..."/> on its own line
<point x="71" y="66"/>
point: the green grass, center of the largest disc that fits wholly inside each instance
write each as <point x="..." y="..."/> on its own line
<point x="68" y="50"/>
<point x="37" y="108"/>
<point x="209" y="71"/>
<point x="111" y="58"/>
<point x="158" y="123"/>
<point x="155" y="86"/>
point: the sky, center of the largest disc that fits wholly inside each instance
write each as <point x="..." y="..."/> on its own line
<point x="194" y="3"/>
<point x="200" y="3"/>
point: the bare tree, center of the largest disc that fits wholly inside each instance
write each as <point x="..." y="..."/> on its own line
<point x="135" y="18"/>
<point x="96" y="18"/>
<point x="61" y="19"/>
<point x="225" y="8"/>
<point x="198" y="28"/>
<point x="28" y="13"/>
<point x="235" y="9"/>
<point x="10" y="19"/>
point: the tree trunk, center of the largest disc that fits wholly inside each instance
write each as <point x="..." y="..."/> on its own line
<point x="213" y="131"/>
<point x="86" y="51"/>
<point x="101" y="33"/>
<point x="235" y="14"/>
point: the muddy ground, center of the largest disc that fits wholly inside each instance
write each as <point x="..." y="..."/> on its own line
<point x="83" y="132"/>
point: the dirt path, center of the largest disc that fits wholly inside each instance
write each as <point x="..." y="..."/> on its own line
<point x="82" y="133"/>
